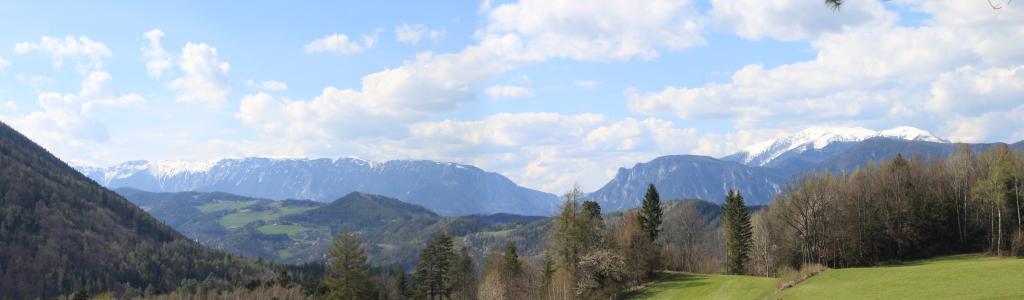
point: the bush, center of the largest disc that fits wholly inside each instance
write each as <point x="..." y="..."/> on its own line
<point x="789" y="277"/>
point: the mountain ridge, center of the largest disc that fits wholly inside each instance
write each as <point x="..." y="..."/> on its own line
<point x="444" y="187"/>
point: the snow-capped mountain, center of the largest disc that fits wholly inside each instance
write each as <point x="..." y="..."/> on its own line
<point x="814" y="144"/>
<point x="446" y="188"/>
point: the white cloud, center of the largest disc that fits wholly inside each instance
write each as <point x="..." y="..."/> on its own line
<point x="587" y="84"/>
<point x="548" y="151"/>
<point x="413" y="33"/>
<point x="965" y="64"/>
<point x="340" y="43"/>
<point x="157" y="60"/>
<point x="789" y="20"/>
<point x="99" y="88"/>
<point x="68" y="48"/>
<point x="267" y="85"/>
<point x="598" y="30"/>
<point x="206" y="79"/>
<point x="35" y="81"/>
<point x="64" y="123"/>
<point x="499" y="92"/>
<point x="4" y="63"/>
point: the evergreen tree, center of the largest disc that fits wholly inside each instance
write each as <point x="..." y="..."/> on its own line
<point x="510" y="261"/>
<point x="311" y="286"/>
<point x="548" y="269"/>
<point x="465" y="279"/>
<point x="434" y="270"/>
<point x="738" y="230"/>
<point x="284" y="279"/>
<point x="350" y="276"/>
<point x="651" y="213"/>
<point x="402" y="284"/>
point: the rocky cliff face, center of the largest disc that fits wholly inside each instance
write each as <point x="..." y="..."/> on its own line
<point x="687" y="176"/>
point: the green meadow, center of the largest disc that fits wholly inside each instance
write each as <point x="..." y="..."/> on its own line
<point x="953" y="277"/>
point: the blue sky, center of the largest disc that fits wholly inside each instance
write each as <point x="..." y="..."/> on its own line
<point x="544" y="92"/>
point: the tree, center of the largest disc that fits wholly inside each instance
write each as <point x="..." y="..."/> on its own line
<point x="284" y="279"/>
<point x="510" y="261"/>
<point x="651" y="213"/>
<point x="312" y="286"/>
<point x="350" y="276"/>
<point x="434" y="270"/>
<point x="575" y="232"/>
<point x="464" y="279"/>
<point x="402" y="290"/>
<point x="737" y="225"/>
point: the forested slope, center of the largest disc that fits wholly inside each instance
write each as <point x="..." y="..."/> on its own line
<point x="61" y="231"/>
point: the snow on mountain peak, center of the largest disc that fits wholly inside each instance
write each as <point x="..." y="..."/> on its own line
<point x="818" y="137"/>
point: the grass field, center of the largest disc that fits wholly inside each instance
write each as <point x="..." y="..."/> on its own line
<point x="953" y="277"/>
<point x="289" y="229"/>
<point x="678" y="285"/>
<point x="493" y="233"/>
<point x="219" y="205"/>
<point x="283" y="254"/>
<point x="242" y="218"/>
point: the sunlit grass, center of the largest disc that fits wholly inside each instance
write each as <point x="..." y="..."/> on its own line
<point x="680" y="285"/>
<point x="220" y="205"/>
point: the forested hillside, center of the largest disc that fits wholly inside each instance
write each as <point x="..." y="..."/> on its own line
<point x="61" y="232"/>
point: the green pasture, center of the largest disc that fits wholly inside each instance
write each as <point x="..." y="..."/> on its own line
<point x="219" y="205"/>
<point x="679" y="285"/>
<point x="291" y="230"/>
<point x="953" y="277"/>
<point x="242" y="218"/>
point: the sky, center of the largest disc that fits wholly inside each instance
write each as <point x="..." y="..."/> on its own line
<point x="545" y="92"/>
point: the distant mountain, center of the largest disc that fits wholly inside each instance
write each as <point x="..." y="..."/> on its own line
<point x="61" y="232"/>
<point x="446" y="188"/>
<point x="806" y="149"/>
<point x="687" y="177"/>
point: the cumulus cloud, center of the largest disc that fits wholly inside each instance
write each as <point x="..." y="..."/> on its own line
<point x="336" y="43"/>
<point x="35" y="81"/>
<point x="876" y="74"/>
<point x="598" y="30"/>
<point x="790" y="20"/>
<point x="4" y="63"/>
<point x="157" y="60"/>
<point x="413" y="33"/>
<point x="267" y="85"/>
<point x="68" y="48"/>
<point x="99" y="88"/>
<point x="206" y="79"/>
<point x="499" y="92"/>
<point x="65" y="121"/>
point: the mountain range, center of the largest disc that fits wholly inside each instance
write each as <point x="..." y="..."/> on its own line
<point x="759" y="172"/>
<point x="449" y="189"/>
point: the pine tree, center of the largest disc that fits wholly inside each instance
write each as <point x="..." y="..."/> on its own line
<point x="402" y="284"/>
<point x="510" y="261"/>
<point x="434" y="270"/>
<point x="739" y="231"/>
<point x="284" y="279"/>
<point x="650" y="213"/>
<point x="350" y="276"/>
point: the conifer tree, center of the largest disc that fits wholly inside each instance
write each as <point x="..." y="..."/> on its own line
<point x="402" y="284"/>
<point x="650" y="213"/>
<point x="350" y="275"/>
<point x="434" y="270"/>
<point x="738" y="230"/>
<point x="510" y="261"/>
<point x="284" y="279"/>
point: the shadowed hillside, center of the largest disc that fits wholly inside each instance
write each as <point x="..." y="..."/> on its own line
<point x="62" y="232"/>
